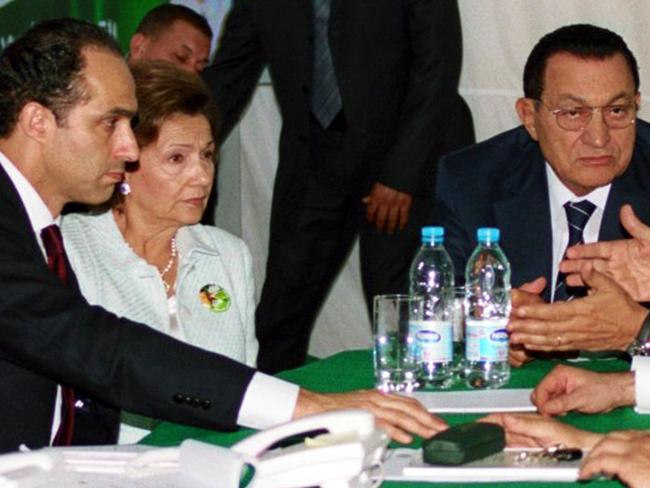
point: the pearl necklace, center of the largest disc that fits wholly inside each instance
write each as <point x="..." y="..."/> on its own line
<point x="169" y="265"/>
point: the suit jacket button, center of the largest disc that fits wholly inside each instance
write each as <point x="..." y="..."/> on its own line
<point x="197" y="402"/>
<point x="206" y="405"/>
<point x="188" y="400"/>
<point x="178" y="398"/>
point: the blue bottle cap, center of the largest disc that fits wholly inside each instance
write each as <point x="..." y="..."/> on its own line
<point x="433" y="234"/>
<point x="487" y="234"/>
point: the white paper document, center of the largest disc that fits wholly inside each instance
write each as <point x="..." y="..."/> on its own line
<point x="477" y="401"/>
<point x="407" y="465"/>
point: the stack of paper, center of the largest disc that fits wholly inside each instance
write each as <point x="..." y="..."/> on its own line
<point x="477" y="401"/>
<point x="407" y="465"/>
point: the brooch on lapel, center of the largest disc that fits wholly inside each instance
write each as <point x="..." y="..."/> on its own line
<point x="214" y="298"/>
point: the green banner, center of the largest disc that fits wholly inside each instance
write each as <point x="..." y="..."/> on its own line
<point x="119" y="17"/>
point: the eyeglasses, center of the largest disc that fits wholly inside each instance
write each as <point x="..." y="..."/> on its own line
<point x="577" y="118"/>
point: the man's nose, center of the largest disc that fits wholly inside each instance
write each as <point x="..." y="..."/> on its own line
<point x="127" y="146"/>
<point x="596" y="133"/>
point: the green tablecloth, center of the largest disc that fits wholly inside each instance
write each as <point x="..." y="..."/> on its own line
<point x="352" y="370"/>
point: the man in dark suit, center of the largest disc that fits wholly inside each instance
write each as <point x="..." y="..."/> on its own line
<point x="369" y="101"/>
<point x="581" y="150"/>
<point x="66" y="101"/>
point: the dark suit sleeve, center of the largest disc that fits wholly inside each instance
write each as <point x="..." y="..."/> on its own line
<point x="429" y="105"/>
<point x="51" y="330"/>
<point x="237" y="66"/>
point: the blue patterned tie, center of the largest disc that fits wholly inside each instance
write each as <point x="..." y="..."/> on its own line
<point x="325" y="98"/>
<point x="577" y="215"/>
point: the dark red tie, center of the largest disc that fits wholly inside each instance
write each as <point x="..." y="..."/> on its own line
<point x="53" y="243"/>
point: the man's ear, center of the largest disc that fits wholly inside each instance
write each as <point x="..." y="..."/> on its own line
<point x="36" y="121"/>
<point x="526" y="111"/>
<point x="137" y="46"/>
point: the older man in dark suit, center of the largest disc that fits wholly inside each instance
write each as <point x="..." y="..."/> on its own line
<point x="369" y="102"/>
<point x="562" y="177"/>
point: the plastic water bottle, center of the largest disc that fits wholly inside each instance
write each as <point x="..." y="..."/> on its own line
<point x="432" y="277"/>
<point x="487" y="288"/>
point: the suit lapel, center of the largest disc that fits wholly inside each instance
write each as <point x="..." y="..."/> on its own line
<point x="628" y="188"/>
<point x="338" y="14"/>
<point x="303" y="16"/>
<point x="18" y="220"/>
<point x="14" y="215"/>
<point x="523" y="215"/>
<point x="298" y="19"/>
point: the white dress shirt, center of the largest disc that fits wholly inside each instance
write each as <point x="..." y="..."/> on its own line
<point x="641" y="368"/>
<point x="267" y="401"/>
<point x="558" y="195"/>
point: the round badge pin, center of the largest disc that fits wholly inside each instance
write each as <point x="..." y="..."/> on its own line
<point x="214" y="298"/>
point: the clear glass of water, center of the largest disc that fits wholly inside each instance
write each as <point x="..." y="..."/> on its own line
<point x="395" y="360"/>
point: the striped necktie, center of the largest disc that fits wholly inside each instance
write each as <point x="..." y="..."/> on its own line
<point x="577" y="215"/>
<point x="325" y="99"/>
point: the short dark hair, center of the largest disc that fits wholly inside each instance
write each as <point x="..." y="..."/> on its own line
<point x="44" y="66"/>
<point x="163" y="16"/>
<point x="581" y="40"/>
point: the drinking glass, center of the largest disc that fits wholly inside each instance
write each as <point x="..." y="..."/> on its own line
<point x="395" y="360"/>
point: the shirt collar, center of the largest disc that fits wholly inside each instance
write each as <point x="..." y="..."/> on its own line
<point x="37" y="212"/>
<point x="559" y="194"/>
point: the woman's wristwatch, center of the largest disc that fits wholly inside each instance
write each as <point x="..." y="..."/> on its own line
<point x="640" y="346"/>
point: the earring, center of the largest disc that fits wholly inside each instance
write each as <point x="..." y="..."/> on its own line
<point x="125" y="188"/>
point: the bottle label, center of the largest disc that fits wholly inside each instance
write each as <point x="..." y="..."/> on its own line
<point x="433" y="340"/>
<point x="486" y="340"/>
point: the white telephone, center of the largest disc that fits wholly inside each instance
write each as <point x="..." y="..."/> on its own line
<point x="349" y="455"/>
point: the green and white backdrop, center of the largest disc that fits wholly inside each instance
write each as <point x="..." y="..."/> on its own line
<point x="119" y="17"/>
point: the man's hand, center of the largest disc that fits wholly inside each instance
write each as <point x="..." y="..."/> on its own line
<point x="387" y="208"/>
<point x="625" y="454"/>
<point x="567" y="388"/>
<point x="625" y="260"/>
<point x="528" y="293"/>
<point x="533" y="430"/>
<point x="606" y="319"/>
<point x="399" y="416"/>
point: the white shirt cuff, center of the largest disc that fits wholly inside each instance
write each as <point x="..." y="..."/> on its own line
<point x="641" y="367"/>
<point x="268" y="401"/>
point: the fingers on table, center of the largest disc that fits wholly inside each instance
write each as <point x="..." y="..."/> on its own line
<point x="402" y="414"/>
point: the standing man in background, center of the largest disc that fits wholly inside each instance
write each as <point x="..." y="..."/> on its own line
<point x="369" y="101"/>
<point x="173" y="33"/>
